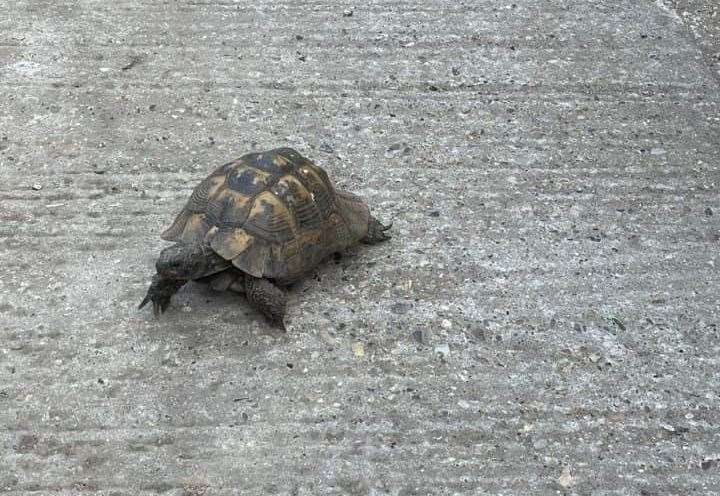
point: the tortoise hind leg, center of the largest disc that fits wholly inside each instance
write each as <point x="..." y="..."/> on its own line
<point x="269" y="299"/>
<point x="376" y="232"/>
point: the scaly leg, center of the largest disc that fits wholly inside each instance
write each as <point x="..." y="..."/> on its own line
<point x="376" y="232"/>
<point x="176" y="265"/>
<point x="269" y="299"/>
<point x="160" y="291"/>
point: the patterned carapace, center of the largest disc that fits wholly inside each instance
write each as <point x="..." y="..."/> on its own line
<point x="274" y="214"/>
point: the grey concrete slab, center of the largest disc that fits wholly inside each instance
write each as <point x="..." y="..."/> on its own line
<point x="702" y="20"/>
<point x="545" y="319"/>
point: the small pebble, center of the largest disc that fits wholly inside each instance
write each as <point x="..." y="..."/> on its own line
<point x="446" y="324"/>
<point x="540" y="444"/>
<point x="37" y="186"/>
<point x="566" y="479"/>
<point x="443" y="349"/>
<point x="358" y="349"/>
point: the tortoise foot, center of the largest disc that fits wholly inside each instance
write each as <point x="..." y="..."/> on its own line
<point x="269" y="299"/>
<point x="160" y="292"/>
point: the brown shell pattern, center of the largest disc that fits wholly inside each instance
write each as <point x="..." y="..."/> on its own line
<point x="274" y="214"/>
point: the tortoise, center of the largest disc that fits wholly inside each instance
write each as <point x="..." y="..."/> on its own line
<point x="255" y="226"/>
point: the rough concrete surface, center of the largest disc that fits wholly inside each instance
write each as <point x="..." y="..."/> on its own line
<point x="544" y="320"/>
<point x="702" y="18"/>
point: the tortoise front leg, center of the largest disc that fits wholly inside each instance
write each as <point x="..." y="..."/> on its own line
<point x="160" y="291"/>
<point x="178" y="264"/>
<point x="269" y="299"/>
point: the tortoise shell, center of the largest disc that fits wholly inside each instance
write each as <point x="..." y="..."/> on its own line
<point x="274" y="214"/>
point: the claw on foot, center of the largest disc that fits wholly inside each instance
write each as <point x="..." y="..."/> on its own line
<point x="377" y="232"/>
<point x="160" y="292"/>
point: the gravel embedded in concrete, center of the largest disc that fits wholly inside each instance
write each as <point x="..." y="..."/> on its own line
<point x="544" y="320"/>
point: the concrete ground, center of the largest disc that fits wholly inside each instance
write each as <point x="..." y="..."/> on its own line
<point x="702" y="19"/>
<point x="544" y="321"/>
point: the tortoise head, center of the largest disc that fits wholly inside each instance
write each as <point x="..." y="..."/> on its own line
<point x="174" y="262"/>
<point x="189" y="261"/>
